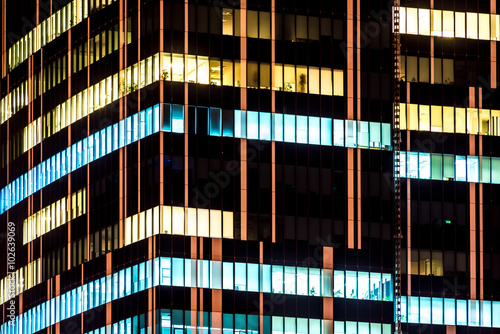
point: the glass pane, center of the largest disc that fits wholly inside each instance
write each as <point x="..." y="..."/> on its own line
<point x="363" y="285"/>
<point x="449" y="311"/>
<point x="461" y="312"/>
<point x="351" y="285"/>
<point x="425" y="310"/>
<point x="413" y="309"/>
<point x="472" y="169"/>
<point x="338" y="284"/>
<point x="424" y="166"/>
<point x="265" y="126"/>
<point x="437" y="166"/>
<point x="460" y="168"/>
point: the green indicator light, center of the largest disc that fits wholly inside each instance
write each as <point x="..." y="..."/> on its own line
<point x="447" y="221"/>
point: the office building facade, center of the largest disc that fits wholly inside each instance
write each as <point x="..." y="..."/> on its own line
<point x="230" y="167"/>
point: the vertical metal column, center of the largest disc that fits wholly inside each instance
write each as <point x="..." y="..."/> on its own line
<point x="396" y="45"/>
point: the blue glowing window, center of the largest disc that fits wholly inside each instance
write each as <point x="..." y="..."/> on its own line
<point x="424" y="165"/>
<point x="289" y="128"/>
<point x="252" y="125"/>
<point x="472" y="169"/>
<point x="375" y="140"/>
<point x="363" y="135"/>
<point x="460" y="168"/>
<point x="302" y="129"/>
<point x="177" y="118"/>
<point x="240" y="124"/>
<point x="326" y="131"/>
<point x="215" y="122"/>
<point x="167" y="117"/>
<point x="277" y="127"/>
<point x="314" y="130"/>
<point x="338" y="132"/>
<point x="227" y="123"/>
<point x="265" y="126"/>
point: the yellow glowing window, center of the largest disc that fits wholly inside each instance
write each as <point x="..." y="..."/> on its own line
<point x="326" y="81"/>
<point x="178" y="220"/>
<point x="313" y="80"/>
<point x="403" y="68"/>
<point x="203" y="70"/>
<point x="191" y="69"/>
<point x="227" y="223"/>
<point x="472" y="25"/>
<point x="413" y="117"/>
<point x="460" y="120"/>
<point x="495" y="123"/>
<point x="203" y="223"/>
<point x="402" y="113"/>
<point x="436" y="27"/>
<point x="237" y="74"/>
<point x="402" y="20"/>
<point x="338" y="81"/>
<point x="484" y="121"/>
<point x="460" y="25"/>
<point x="215" y="224"/>
<point x="166" y="220"/>
<point x="412" y="21"/>
<point x="227" y="21"/>
<point x="301" y="79"/>
<point x="436" y="118"/>
<point x="289" y="78"/>
<point x="142" y="225"/>
<point x="495" y="27"/>
<point x="424" y="22"/>
<point x="448" y="24"/>
<point x="424" y="118"/>
<point x="472" y="121"/>
<point x="227" y="73"/>
<point x="190" y="222"/>
<point x="278" y="77"/>
<point x="177" y="68"/>
<point x="215" y="72"/>
<point x="484" y="26"/>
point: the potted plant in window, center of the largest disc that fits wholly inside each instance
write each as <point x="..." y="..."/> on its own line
<point x="165" y="75"/>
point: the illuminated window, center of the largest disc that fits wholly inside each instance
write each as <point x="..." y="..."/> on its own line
<point x="424" y="21"/>
<point x="326" y="81"/>
<point x="313" y="80"/>
<point x="484" y="26"/>
<point x="460" y="25"/>
<point x="227" y="73"/>
<point x="227" y="21"/>
<point x="436" y="118"/>
<point x="495" y="27"/>
<point x="472" y="25"/>
<point x="412" y="21"/>
<point x="436" y="28"/>
<point x="460" y="120"/>
<point x="472" y="120"/>
<point x="301" y="79"/>
<point x="448" y="24"/>
<point x="424" y="118"/>
<point x="289" y="78"/>
<point x="203" y="70"/>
